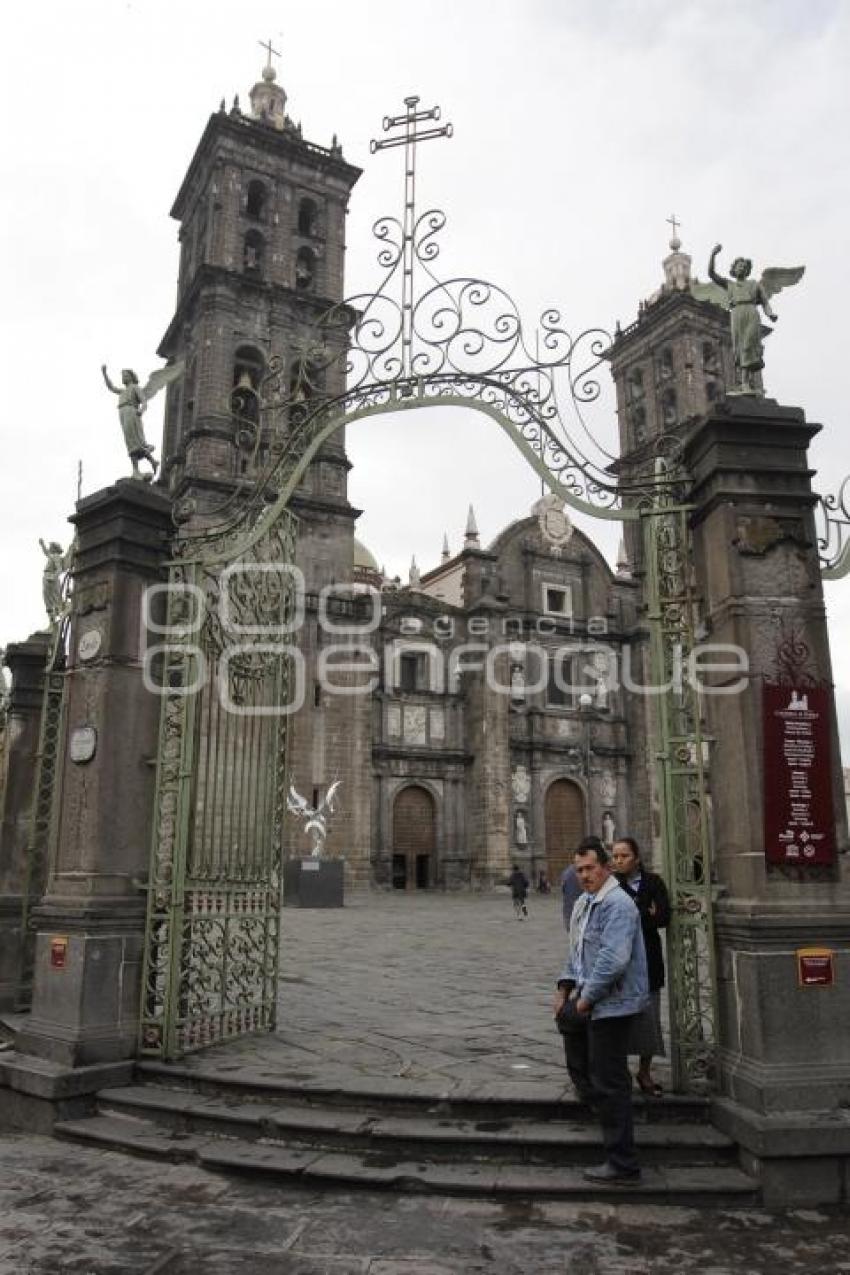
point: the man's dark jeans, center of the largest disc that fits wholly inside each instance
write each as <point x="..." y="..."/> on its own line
<point x="597" y="1060"/>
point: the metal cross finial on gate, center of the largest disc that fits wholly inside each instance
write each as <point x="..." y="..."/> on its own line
<point x="408" y="140"/>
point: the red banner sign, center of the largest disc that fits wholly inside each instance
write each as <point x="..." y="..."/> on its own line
<point x="799" y="820"/>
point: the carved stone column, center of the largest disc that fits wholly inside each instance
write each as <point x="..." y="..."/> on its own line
<point x="91" y="923"/>
<point x="26" y="662"/>
<point x="784" y="1047"/>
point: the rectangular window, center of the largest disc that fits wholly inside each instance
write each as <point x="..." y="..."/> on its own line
<point x="557" y="600"/>
<point x="412" y="672"/>
<point x="559" y="680"/>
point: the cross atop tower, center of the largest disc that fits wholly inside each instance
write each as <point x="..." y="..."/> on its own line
<point x="671" y="221"/>
<point x="267" y="45"/>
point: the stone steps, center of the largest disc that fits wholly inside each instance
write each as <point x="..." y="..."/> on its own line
<point x="405" y="1139"/>
<point x="437" y="1136"/>
<point x="390" y="1094"/>
<point x="717" y="1185"/>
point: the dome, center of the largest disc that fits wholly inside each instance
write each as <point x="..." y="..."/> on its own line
<point x="363" y="559"/>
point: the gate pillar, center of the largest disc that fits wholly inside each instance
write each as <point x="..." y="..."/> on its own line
<point x="90" y="925"/>
<point x="783" y="1045"/>
<point x="26" y="662"/>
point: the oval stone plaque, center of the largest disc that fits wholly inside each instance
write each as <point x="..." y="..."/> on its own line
<point x="89" y="644"/>
<point x="83" y="743"/>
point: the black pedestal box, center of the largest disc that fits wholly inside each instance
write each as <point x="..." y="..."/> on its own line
<point x="313" y="883"/>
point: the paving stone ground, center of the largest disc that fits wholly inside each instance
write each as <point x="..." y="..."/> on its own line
<point x="429" y="987"/>
<point x="70" y="1210"/>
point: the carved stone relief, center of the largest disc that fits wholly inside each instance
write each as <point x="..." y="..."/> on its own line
<point x="415" y="724"/>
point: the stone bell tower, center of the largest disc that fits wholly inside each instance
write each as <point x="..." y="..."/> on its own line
<point x="672" y="364"/>
<point x="262" y="214"/>
<point x="262" y="244"/>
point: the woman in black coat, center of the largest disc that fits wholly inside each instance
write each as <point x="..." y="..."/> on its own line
<point x="653" y="903"/>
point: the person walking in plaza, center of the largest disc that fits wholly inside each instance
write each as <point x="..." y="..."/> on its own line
<point x="602" y="988"/>
<point x="518" y="882"/>
<point x="653" y="904"/>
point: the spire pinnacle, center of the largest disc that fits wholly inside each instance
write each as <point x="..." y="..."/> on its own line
<point x="446" y="553"/>
<point x="470" y="540"/>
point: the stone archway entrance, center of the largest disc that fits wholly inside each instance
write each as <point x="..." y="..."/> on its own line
<point x="564" y="825"/>
<point x="414" y="840"/>
<point x="234" y="607"/>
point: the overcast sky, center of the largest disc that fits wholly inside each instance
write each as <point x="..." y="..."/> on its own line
<point x="578" y="128"/>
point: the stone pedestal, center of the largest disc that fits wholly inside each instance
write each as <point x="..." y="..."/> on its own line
<point x="784" y="1048"/>
<point x="313" y="883"/>
<point x="26" y="662"/>
<point x="90" y="924"/>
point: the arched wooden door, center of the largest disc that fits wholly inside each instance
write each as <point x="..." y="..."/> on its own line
<point x="565" y="825"/>
<point x="413" y="839"/>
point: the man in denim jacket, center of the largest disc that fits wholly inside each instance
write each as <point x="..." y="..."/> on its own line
<point x="602" y="986"/>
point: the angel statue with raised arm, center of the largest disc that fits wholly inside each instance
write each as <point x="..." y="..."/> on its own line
<point x="743" y="296"/>
<point x="54" y="579"/>
<point x="315" y="817"/>
<point x="132" y="401"/>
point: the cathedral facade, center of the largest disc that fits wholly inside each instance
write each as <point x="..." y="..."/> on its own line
<point x="481" y="715"/>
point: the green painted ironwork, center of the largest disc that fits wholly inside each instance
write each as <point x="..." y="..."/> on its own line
<point x="224" y="668"/>
<point x="44" y="815"/>
<point x="682" y="766"/>
<point x="832" y="518"/>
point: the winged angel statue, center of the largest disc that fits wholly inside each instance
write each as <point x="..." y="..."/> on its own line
<point x="132" y="401"/>
<point x="315" y="817"/>
<point x="743" y="296"/>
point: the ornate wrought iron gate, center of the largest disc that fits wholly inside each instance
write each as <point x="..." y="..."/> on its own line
<point x="211" y="951"/>
<point x="224" y="669"/>
<point x="682" y="765"/>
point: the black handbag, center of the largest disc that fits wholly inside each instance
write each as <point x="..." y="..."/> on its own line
<point x="569" y="1021"/>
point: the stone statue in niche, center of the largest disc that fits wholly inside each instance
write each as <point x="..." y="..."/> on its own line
<point x="521" y="828"/>
<point x="600" y="674"/>
<point x="608" y="828"/>
<point x="521" y="784"/>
